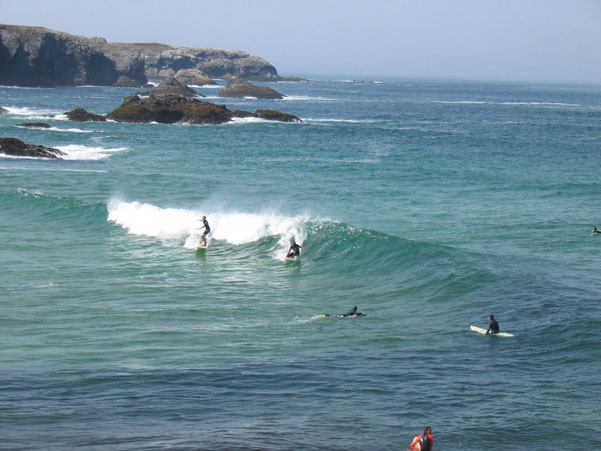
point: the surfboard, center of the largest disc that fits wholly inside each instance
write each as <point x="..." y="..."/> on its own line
<point x="202" y="246"/>
<point x="358" y="315"/>
<point x="483" y="332"/>
<point x="290" y="259"/>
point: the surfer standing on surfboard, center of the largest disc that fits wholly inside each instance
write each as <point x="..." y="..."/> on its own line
<point x="493" y="325"/>
<point x="294" y="250"/>
<point x="205" y="225"/>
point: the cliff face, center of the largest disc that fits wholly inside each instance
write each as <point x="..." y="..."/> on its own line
<point x="162" y="61"/>
<point x="35" y="56"/>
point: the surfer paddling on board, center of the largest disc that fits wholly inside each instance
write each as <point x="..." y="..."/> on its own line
<point x="205" y="225"/>
<point x="493" y="325"/>
<point x="423" y="442"/>
<point x="351" y="312"/>
<point x="294" y="250"/>
<point x="596" y="230"/>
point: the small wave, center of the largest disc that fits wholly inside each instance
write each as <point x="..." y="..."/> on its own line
<point x="559" y="104"/>
<point x="56" y="129"/>
<point x="249" y="120"/>
<point x="309" y="98"/>
<point x="349" y="121"/>
<point x="16" y="168"/>
<point x="32" y="113"/>
<point x="483" y="102"/>
<point x="78" y="152"/>
<point x="460" y="102"/>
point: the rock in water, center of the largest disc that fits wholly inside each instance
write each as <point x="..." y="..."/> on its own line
<point x="34" y="125"/>
<point x="274" y="115"/>
<point x="193" y="77"/>
<point x="17" y="148"/>
<point x="81" y="115"/>
<point x="171" y="86"/>
<point x="237" y="88"/>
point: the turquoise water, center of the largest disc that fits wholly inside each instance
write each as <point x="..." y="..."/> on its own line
<point x="429" y="205"/>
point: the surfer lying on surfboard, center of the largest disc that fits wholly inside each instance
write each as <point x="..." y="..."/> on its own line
<point x="352" y="313"/>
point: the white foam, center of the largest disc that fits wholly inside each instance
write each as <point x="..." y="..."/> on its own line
<point x="31" y="113"/>
<point x="350" y="121"/>
<point x="309" y="98"/>
<point x="91" y="171"/>
<point x="236" y="228"/>
<point x="78" y="152"/>
<point x="206" y="86"/>
<point x="248" y="120"/>
<point x="56" y="129"/>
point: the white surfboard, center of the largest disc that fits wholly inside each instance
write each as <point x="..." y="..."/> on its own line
<point x="483" y="332"/>
<point x="202" y="246"/>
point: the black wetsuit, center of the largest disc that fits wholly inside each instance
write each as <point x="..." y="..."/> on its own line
<point x="425" y="443"/>
<point x="351" y="312"/>
<point x="493" y="326"/>
<point x="294" y="250"/>
<point x="205" y="224"/>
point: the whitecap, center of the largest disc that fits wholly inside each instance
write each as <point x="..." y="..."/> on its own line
<point x="236" y="228"/>
<point x="79" y="152"/>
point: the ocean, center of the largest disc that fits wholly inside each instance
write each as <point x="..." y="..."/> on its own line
<point x="428" y="204"/>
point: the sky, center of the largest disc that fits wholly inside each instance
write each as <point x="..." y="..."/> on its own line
<point x="501" y="40"/>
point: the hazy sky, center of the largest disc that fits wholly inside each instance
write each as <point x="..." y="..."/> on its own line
<point x="523" y="40"/>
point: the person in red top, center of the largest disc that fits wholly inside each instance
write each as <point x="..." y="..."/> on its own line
<point x="423" y="442"/>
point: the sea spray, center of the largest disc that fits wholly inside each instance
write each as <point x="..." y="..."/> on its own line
<point x="235" y="228"/>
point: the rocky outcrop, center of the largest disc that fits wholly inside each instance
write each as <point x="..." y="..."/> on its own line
<point x="193" y="77"/>
<point x="170" y="109"/>
<point x="17" y="148"/>
<point x="274" y="115"/>
<point x="125" y="82"/>
<point x="34" y="125"/>
<point x="81" y="115"/>
<point x="238" y="88"/>
<point x="171" y="86"/>
<point x="36" y="56"/>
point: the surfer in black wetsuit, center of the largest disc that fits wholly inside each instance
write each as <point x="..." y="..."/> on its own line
<point x="493" y="325"/>
<point x="205" y="225"/>
<point x="351" y="312"/>
<point x="294" y="250"/>
<point x="596" y="230"/>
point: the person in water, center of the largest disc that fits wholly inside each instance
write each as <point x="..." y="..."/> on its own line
<point x="205" y="225"/>
<point x="423" y="442"/>
<point x="493" y="325"/>
<point x="596" y="230"/>
<point x="294" y="250"/>
<point x="351" y="312"/>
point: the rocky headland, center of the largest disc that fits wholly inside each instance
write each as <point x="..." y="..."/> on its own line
<point x="17" y="148"/>
<point x="36" y="56"/>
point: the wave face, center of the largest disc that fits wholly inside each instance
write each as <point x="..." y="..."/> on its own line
<point x="428" y="205"/>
